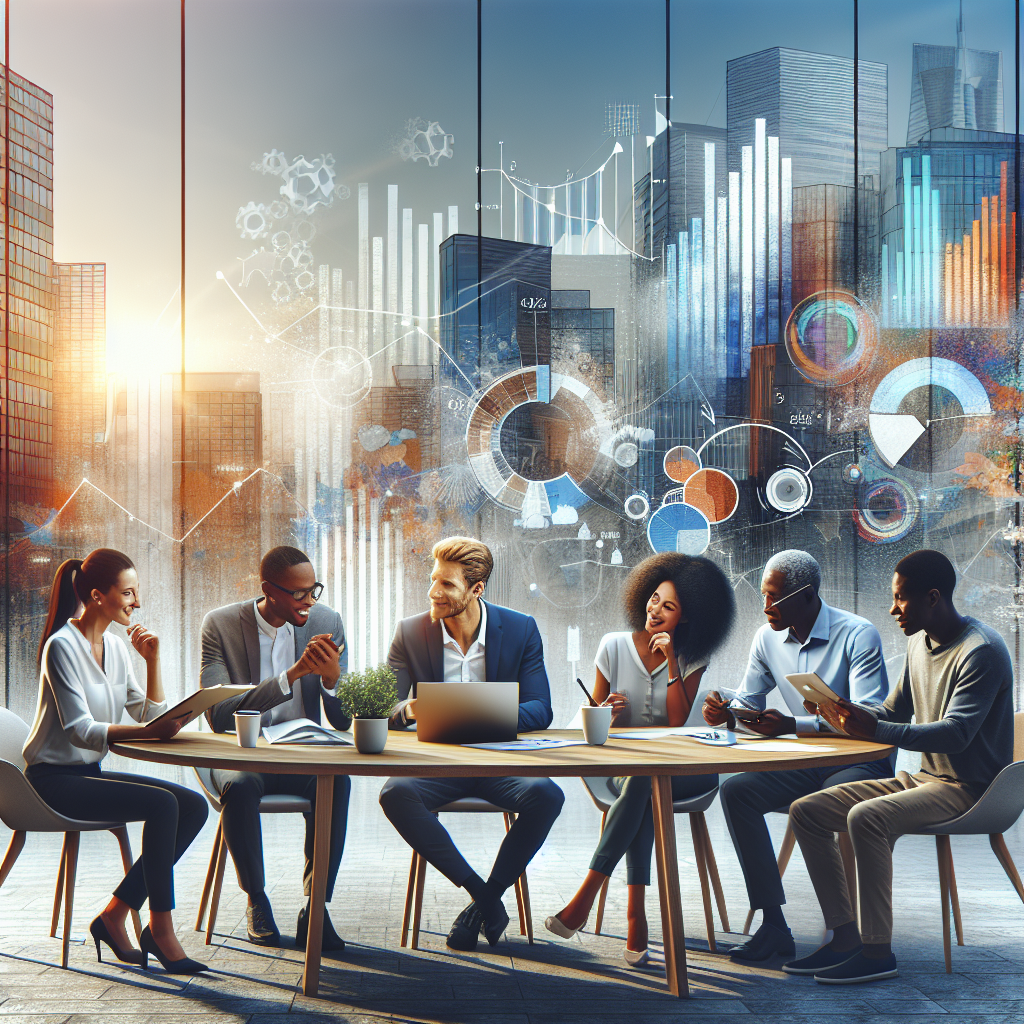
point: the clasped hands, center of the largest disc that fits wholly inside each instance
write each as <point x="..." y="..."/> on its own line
<point x="321" y="657"/>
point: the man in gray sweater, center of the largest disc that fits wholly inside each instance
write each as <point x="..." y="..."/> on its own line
<point x="957" y="687"/>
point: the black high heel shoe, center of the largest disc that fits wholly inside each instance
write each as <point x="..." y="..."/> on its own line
<point x="100" y="933"/>
<point x="182" y="966"/>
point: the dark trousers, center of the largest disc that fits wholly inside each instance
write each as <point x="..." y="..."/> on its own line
<point x="629" y="827"/>
<point x="748" y="797"/>
<point x="172" y="817"/>
<point x="411" y="806"/>
<point x="241" y="793"/>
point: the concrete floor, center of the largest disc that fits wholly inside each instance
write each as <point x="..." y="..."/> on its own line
<point x="583" y="981"/>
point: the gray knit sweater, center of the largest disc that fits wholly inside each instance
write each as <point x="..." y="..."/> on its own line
<point x="961" y="698"/>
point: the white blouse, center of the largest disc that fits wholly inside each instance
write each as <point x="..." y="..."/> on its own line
<point x="619" y="662"/>
<point x="78" y="700"/>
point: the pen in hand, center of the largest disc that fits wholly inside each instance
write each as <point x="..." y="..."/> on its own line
<point x="593" y="703"/>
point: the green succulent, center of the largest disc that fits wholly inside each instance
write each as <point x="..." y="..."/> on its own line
<point x="368" y="694"/>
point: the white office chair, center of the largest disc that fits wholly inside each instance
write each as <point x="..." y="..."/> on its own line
<point x="603" y="793"/>
<point x="418" y="871"/>
<point x="996" y="811"/>
<point x="274" y="804"/>
<point x="23" y="810"/>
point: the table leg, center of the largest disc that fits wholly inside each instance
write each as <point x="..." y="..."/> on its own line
<point x="668" y="885"/>
<point x="321" y="853"/>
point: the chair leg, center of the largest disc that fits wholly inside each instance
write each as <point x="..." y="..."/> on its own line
<point x="410" y="898"/>
<point x="218" y="882"/>
<point x="996" y="841"/>
<point x="785" y="852"/>
<point x="849" y="869"/>
<point x="70" y="871"/>
<point x="942" y="854"/>
<point x="14" y="847"/>
<point x="517" y="886"/>
<point x="705" y="886"/>
<point x="58" y="892"/>
<point x="524" y="889"/>
<point x="210" y="872"/>
<point x="125" y="844"/>
<point x="716" y="882"/>
<point x="954" y="900"/>
<point x="604" y="888"/>
<point x="417" y="912"/>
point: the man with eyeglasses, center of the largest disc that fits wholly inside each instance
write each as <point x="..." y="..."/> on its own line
<point x="802" y="634"/>
<point x="292" y="650"/>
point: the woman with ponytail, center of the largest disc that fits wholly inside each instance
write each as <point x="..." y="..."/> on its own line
<point x="85" y="683"/>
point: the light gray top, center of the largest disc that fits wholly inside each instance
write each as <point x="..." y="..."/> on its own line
<point x="78" y="700"/>
<point x="619" y="662"/>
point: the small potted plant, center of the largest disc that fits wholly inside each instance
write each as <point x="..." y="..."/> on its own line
<point x="368" y="699"/>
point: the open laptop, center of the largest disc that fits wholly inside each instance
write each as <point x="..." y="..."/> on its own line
<point x="466" y="712"/>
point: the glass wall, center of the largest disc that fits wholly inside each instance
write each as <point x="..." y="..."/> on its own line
<point x="586" y="280"/>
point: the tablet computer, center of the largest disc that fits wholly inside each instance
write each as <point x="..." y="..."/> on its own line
<point x="812" y="687"/>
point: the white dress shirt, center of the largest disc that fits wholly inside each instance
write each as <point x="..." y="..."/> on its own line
<point x="78" y="700"/>
<point x="469" y="667"/>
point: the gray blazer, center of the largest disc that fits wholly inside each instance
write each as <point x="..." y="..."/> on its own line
<point x="231" y="656"/>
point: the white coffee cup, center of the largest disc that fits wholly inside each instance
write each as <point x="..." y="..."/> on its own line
<point x="247" y="727"/>
<point x="596" y="723"/>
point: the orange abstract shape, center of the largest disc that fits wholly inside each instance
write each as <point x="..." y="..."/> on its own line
<point x="713" y="492"/>
<point x="681" y="463"/>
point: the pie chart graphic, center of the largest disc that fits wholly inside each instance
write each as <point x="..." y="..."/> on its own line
<point x="927" y="396"/>
<point x="679" y="527"/>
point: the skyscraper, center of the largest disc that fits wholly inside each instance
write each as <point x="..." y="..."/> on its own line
<point x="27" y="380"/>
<point x="807" y="101"/>
<point x="954" y="87"/>
<point x="79" y="372"/>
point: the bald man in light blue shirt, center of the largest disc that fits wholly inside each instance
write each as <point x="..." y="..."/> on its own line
<point x="802" y="634"/>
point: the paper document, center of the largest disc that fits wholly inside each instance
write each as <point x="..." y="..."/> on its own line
<point x="304" y="730"/>
<point x="528" y="743"/>
<point x="202" y="700"/>
<point x="718" y="737"/>
<point x="787" y="745"/>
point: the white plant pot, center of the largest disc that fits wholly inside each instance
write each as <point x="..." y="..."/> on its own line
<point x="371" y="734"/>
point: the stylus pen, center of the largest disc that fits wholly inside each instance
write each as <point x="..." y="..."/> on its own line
<point x="593" y="703"/>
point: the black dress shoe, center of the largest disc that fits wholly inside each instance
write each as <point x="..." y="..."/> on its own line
<point x="332" y="942"/>
<point x="466" y="929"/>
<point x="259" y="922"/>
<point x="493" y="924"/>
<point x="766" y="942"/>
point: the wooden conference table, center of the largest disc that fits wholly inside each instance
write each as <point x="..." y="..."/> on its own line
<point x="406" y="756"/>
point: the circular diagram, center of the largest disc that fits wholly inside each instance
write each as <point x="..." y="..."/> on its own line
<point x="681" y="463"/>
<point x="831" y="338"/>
<point x="533" y="437"/>
<point x="788" y="490"/>
<point x="679" y="527"/>
<point x="887" y="511"/>
<point x="636" y="506"/>
<point x="713" y="492"/>
<point x="921" y="410"/>
<point x="342" y="376"/>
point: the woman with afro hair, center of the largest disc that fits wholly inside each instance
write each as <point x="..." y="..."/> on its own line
<point x="680" y="609"/>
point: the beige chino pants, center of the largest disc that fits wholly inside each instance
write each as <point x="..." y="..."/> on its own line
<point x="875" y="813"/>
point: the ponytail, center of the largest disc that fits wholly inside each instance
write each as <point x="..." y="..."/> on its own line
<point x="75" y="580"/>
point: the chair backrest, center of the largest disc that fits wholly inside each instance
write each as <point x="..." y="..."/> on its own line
<point x="1018" y="736"/>
<point x="22" y="809"/>
<point x="13" y="733"/>
<point x="996" y="811"/>
<point x="205" y="776"/>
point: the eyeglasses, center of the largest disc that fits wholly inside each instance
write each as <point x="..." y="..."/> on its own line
<point x="314" y="591"/>
<point x="778" y="600"/>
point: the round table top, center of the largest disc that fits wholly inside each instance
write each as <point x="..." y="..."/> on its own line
<point x="405" y="755"/>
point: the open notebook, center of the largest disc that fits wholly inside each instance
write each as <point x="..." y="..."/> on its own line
<point x="304" y="730"/>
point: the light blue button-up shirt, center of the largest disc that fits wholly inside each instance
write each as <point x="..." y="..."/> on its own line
<point x="843" y="649"/>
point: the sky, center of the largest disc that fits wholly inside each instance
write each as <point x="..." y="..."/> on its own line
<point x="344" y="77"/>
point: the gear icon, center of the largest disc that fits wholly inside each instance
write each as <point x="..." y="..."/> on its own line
<point x="253" y="221"/>
<point x="342" y="191"/>
<point x="282" y="292"/>
<point x="419" y="144"/>
<point x="304" y="281"/>
<point x="274" y="162"/>
<point x="309" y="183"/>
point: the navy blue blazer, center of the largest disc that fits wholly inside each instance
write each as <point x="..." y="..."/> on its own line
<point x="513" y="652"/>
